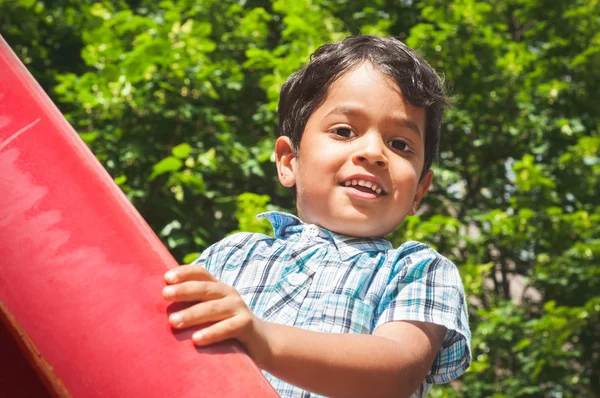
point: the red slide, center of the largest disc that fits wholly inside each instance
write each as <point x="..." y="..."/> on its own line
<point x="81" y="274"/>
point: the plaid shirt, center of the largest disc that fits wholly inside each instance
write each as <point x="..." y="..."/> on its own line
<point x="318" y="280"/>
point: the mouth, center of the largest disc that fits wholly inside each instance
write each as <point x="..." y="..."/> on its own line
<point x="366" y="186"/>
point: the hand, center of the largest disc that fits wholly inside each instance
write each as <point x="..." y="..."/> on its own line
<point x="218" y="303"/>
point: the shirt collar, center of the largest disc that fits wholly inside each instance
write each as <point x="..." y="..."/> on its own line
<point x="348" y="246"/>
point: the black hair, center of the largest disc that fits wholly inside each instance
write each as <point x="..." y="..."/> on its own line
<point x="306" y="89"/>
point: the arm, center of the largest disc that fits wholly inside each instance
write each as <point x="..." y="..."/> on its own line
<point x="391" y="362"/>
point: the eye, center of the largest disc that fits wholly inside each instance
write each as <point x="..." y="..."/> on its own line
<point x="344" y="132"/>
<point x="401" y="146"/>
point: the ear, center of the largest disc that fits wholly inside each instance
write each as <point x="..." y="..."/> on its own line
<point x="422" y="189"/>
<point x="285" y="158"/>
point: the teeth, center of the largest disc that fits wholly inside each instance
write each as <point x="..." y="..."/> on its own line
<point x="366" y="184"/>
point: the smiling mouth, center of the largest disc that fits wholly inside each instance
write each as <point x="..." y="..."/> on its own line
<point x="367" y="187"/>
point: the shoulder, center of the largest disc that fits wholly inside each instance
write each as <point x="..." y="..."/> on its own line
<point x="235" y="242"/>
<point x="241" y="238"/>
<point x="414" y="249"/>
<point x="423" y="270"/>
<point x="419" y="268"/>
<point x="415" y="260"/>
<point x="233" y="249"/>
<point x="238" y="242"/>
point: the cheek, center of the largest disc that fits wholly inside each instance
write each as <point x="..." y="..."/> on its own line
<point x="407" y="181"/>
<point x="316" y="175"/>
<point x="320" y="160"/>
<point x="312" y="178"/>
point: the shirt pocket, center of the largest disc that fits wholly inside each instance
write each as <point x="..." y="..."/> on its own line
<point x="339" y="313"/>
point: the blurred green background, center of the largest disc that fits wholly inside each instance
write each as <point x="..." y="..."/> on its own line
<point x="178" y="100"/>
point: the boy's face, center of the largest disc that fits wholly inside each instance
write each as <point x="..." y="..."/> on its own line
<point x="365" y="133"/>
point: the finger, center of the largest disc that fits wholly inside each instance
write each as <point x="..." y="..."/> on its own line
<point x="197" y="314"/>
<point x="187" y="273"/>
<point x="229" y="328"/>
<point x="195" y="291"/>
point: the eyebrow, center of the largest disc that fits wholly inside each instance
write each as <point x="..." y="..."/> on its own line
<point x="357" y="111"/>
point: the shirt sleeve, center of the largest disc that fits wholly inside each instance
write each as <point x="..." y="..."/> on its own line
<point x="427" y="288"/>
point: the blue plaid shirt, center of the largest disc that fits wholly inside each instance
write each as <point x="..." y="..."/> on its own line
<point x="318" y="280"/>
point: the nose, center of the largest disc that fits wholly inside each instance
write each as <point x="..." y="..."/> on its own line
<point x="370" y="151"/>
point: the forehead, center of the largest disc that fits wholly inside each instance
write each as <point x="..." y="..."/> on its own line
<point x="367" y="91"/>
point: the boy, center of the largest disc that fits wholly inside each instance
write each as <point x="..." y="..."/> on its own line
<point x="328" y="306"/>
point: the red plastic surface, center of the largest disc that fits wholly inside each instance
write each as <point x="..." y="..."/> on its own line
<point x="82" y="273"/>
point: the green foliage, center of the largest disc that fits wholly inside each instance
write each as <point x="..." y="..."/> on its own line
<point x="248" y="206"/>
<point x="178" y="100"/>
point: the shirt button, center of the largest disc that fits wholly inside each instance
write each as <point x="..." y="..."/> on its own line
<point x="311" y="230"/>
<point x="295" y="279"/>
